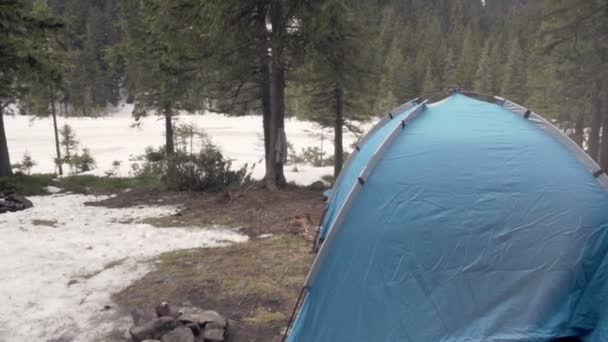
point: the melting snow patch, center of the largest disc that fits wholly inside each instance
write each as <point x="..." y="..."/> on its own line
<point x="52" y="189"/>
<point x="57" y="281"/>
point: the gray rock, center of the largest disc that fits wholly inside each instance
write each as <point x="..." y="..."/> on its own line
<point x="202" y="317"/>
<point x="196" y="329"/>
<point x="214" y="333"/>
<point x="164" y="309"/>
<point x="141" y="317"/>
<point x="13" y="202"/>
<point x="317" y="186"/>
<point x="154" y="329"/>
<point x="180" y="334"/>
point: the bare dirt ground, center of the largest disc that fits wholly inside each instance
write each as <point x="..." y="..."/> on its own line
<point x="257" y="211"/>
<point x="254" y="284"/>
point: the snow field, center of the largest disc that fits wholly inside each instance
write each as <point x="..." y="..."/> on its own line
<point x="56" y="281"/>
<point x="114" y="137"/>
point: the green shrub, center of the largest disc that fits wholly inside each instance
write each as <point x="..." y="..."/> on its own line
<point x="208" y="170"/>
<point x="25" y="165"/>
<point x="26" y="185"/>
<point x="82" y="162"/>
<point x="311" y="156"/>
<point x="86" y="184"/>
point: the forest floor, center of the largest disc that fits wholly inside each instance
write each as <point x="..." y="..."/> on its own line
<point x="254" y="284"/>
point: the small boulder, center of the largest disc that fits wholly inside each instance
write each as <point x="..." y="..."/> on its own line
<point x="13" y="202"/>
<point x="180" y="334"/>
<point x="164" y="309"/>
<point x="214" y="332"/>
<point x="201" y="317"/>
<point x="196" y="329"/>
<point x="317" y="186"/>
<point x="154" y="329"/>
<point x="141" y="317"/>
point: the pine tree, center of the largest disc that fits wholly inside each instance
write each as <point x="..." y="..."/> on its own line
<point x="451" y="72"/>
<point x="161" y="51"/>
<point x="338" y="79"/>
<point x="46" y="86"/>
<point x="485" y="77"/>
<point x="431" y="84"/>
<point x="514" y="83"/>
<point x="19" y="41"/>
<point x="467" y="62"/>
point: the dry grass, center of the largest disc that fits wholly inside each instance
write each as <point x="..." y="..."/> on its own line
<point x="45" y="223"/>
<point x="254" y="284"/>
<point x="107" y="266"/>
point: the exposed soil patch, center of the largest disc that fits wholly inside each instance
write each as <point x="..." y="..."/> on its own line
<point x="257" y="211"/>
<point x="45" y="223"/>
<point x="255" y="284"/>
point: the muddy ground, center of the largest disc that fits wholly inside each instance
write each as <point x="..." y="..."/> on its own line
<point x="254" y="284"/>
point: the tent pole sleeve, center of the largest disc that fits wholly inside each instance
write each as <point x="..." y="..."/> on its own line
<point x="562" y="138"/>
<point x="388" y="117"/>
<point x="340" y="216"/>
<point x="294" y="312"/>
<point x="550" y="129"/>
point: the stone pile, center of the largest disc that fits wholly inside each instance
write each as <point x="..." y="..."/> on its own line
<point x="13" y="202"/>
<point x="188" y="324"/>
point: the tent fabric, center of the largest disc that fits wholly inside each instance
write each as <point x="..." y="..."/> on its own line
<point x="359" y="160"/>
<point x="474" y="225"/>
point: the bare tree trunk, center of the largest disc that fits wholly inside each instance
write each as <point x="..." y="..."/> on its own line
<point x="169" y="143"/>
<point x="65" y="107"/>
<point x="604" y="144"/>
<point x="266" y="111"/>
<point x="264" y="75"/>
<point x="5" y="161"/>
<point x="55" y="130"/>
<point x="170" y="147"/>
<point x="278" y="145"/>
<point x="596" y="123"/>
<point x="579" y="131"/>
<point x="338" y="148"/>
<point x="191" y="140"/>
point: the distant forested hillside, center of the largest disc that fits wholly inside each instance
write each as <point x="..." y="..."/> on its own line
<point x="332" y="61"/>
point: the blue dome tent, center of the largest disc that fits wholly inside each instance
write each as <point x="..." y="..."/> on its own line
<point x="470" y="219"/>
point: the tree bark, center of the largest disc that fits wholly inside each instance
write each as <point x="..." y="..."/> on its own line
<point x="579" y="131"/>
<point x="5" y="161"/>
<point x="338" y="148"/>
<point x="169" y="143"/>
<point x="266" y="112"/>
<point x="604" y="138"/>
<point x="264" y="80"/>
<point x="170" y="147"/>
<point x="278" y="145"/>
<point x="596" y="123"/>
<point x="55" y="130"/>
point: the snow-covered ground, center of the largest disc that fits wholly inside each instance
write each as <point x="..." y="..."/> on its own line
<point x="55" y="282"/>
<point x="114" y="137"/>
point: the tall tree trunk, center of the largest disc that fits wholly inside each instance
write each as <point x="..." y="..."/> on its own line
<point x="604" y="144"/>
<point x="264" y="75"/>
<point x="278" y="145"/>
<point x="596" y="123"/>
<point x="55" y="130"/>
<point x="5" y="161"/>
<point x="338" y="148"/>
<point x="579" y="131"/>
<point x="170" y="147"/>
<point x="169" y="143"/>
<point x="65" y="107"/>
